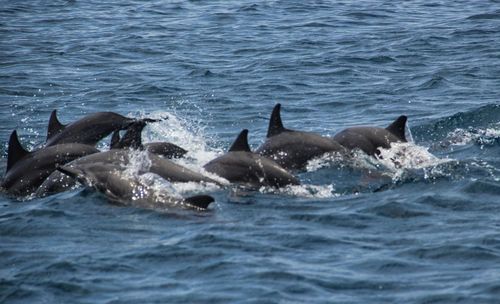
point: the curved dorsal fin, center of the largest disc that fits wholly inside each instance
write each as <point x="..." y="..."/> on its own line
<point x="55" y="126"/>
<point x="398" y="127"/>
<point x="115" y="140"/>
<point x="16" y="151"/>
<point x="241" y="143"/>
<point x="275" y="123"/>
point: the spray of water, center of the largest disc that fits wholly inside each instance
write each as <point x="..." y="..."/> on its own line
<point x="480" y="136"/>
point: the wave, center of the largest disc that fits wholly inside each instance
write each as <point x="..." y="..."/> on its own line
<point x="483" y="117"/>
<point x="488" y="136"/>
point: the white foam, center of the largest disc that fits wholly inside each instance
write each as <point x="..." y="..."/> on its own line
<point x="188" y="135"/>
<point x="408" y="156"/>
<point x="311" y="191"/>
<point x="327" y="160"/>
<point x="303" y="191"/>
<point x="402" y="157"/>
<point x="138" y="162"/>
<point x="481" y="136"/>
<point x="394" y="162"/>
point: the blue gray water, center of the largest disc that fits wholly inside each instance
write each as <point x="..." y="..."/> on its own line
<point x="424" y="231"/>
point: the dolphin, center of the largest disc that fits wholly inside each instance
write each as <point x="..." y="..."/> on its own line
<point x="172" y="172"/>
<point x="369" y="139"/>
<point x="240" y="165"/>
<point x="26" y="170"/>
<point x="88" y="130"/>
<point x="132" y="139"/>
<point x="293" y="149"/>
<point x="124" y="189"/>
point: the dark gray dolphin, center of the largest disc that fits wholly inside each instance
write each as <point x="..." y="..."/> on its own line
<point x="27" y="170"/>
<point x="240" y="165"/>
<point x="172" y="172"/>
<point x="293" y="149"/>
<point x="369" y="139"/>
<point x="133" y="139"/>
<point x="88" y="130"/>
<point x="124" y="189"/>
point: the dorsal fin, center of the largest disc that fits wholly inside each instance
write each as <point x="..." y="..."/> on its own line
<point x="275" y="123"/>
<point x="241" y="143"/>
<point x="132" y="137"/>
<point x="15" y="151"/>
<point x="398" y="127"/>
<point x="55" y="126"/>
<point x="115" y="140"/>
<point x="200" y="201"/>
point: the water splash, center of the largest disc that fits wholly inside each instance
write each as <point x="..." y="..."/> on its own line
<point x="306" y="191"/>
<point x="187" y="134"/>
<point x="327" y="160"/>
<point x="138" y="162"/>
<point x="407" y="156"/>
<point x="403" y="161"/>
<point x="480" y="136"/>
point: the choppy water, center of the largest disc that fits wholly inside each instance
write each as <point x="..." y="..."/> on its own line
<point x="421" y="229"/>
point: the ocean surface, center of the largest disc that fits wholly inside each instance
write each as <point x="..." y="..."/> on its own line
<point x="420" y="225"/>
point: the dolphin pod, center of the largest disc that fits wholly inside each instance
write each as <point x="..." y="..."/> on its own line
<point x="69" y="157"/>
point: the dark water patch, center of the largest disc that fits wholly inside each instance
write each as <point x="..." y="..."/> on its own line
<point x="477" y="32"/>
<point x="159" y="256"/>
<point x="452" y="253"/>
<point x="202" y="72"/>
<point x="274" y="87"/>
<point x="389" y="266"/>
<point x="63" y="266"/>
<point x="14" y="292"/>
<point x="316" y="25"/>
<point x="483" y="187"/>
<point x="450" y="203"/>
<point x="65" y="288"/>
<point x="444" y="297"/>
<point x="306" y="242"/>
<point x="48" y="213"/>
<point x="435" y="82"/>
<point x="354" y="221"/>
<point x="485" y="16"/>
<point x="250" y="8"/>
<point x="380" y="59"/>
<point x="365" y="15"/>
<point x="396" y="210"/>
